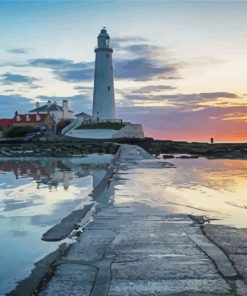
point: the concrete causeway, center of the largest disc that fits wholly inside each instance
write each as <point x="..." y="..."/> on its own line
<point x="137" y="249"/>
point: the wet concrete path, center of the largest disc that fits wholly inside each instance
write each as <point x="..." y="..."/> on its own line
<point x="132" y="248"/>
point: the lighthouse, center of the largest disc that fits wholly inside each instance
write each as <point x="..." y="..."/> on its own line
<point x="103" y="96"/>
<point x="103" y="124"/>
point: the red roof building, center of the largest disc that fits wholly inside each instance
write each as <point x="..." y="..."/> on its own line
<point x="35" y="120"/>
<point x="5" y="122"/>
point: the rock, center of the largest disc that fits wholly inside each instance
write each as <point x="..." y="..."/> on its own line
<point x="67" y="225"/>
<point x="168" y="156"/>
<point x="188" y="156"/>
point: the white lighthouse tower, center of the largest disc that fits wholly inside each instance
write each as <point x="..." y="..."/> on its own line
<point x="103" y="96"/>
<point x="94" y="127"/>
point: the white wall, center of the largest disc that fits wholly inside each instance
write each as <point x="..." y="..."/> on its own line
<point x="68" y="115"/>
<point x="91" y="133"/>
<point x="129" y="131"/>
<point x="57" y="115"/>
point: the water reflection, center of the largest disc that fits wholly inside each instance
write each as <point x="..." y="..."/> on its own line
<point x="216" y="188"/>
<point x="48" y="173"/>
<point x="36" y="194"/>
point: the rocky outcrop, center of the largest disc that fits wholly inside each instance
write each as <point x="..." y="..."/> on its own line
<point x="195" y="149"/>
<point x="56" y="149"/>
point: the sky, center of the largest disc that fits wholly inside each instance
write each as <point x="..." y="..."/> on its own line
<point x="180" y="67"/>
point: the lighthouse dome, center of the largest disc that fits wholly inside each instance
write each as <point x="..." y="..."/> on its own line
<point x="103" y="34"/>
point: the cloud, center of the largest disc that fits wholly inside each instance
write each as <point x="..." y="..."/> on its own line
<point x="143" y="49"/>
<point x="215" y="95"/>
<point x="142" y="69"/>
<point x="147" y="89"/>
<point x="139" y="62"/>
<point x="34" y="86"/>
<point x="84" y="89"/>
<point x="50" y="63"/>
<point x="66" y="70"/>
<point x="85" y="74"/>
<point x="182" y="100"/>
<point x="118" y="43"/>
<point x="10" y="78"/>
<point x="9" y="90"/>
<point x="139" y="69"/>
<point x="11" y="103"/>
<point x="128" y="39"/>
<point x="170" y="123"/>
<point x="236" y="115"/>
<point x="17" y="50"/>
<point x="144" y="62"/>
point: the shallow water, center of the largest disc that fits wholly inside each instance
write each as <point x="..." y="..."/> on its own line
<point x="215" y="188"/>
<point x="35" y="194"/>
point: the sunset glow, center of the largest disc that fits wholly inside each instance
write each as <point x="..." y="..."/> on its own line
<point x="180" y="67"/>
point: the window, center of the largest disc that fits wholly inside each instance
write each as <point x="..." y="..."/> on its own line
<point x="107" y="55"/>
<point x="108" y="87"/>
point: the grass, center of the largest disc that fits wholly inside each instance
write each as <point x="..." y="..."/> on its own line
<point x="102" y="125"/>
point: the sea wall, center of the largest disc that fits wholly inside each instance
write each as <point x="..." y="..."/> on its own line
<point x="129" y="131"/>
<point x="92" y="133"/>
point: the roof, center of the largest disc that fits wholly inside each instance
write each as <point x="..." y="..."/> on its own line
<point x="33" y="118"/>
<point x="46" y="108"/>
<point x="5" y="121"/>
<point x="83" y="114"/>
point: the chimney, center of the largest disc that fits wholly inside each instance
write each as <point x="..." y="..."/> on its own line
<point x="38" y="117"/>
<point x="49" y="103"/>
<point x="37" y="104"/>
<point x="65" y="106"/>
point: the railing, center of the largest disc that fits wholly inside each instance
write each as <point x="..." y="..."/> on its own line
<point x="73" y="125"/>
<point x="102" y="120"/>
